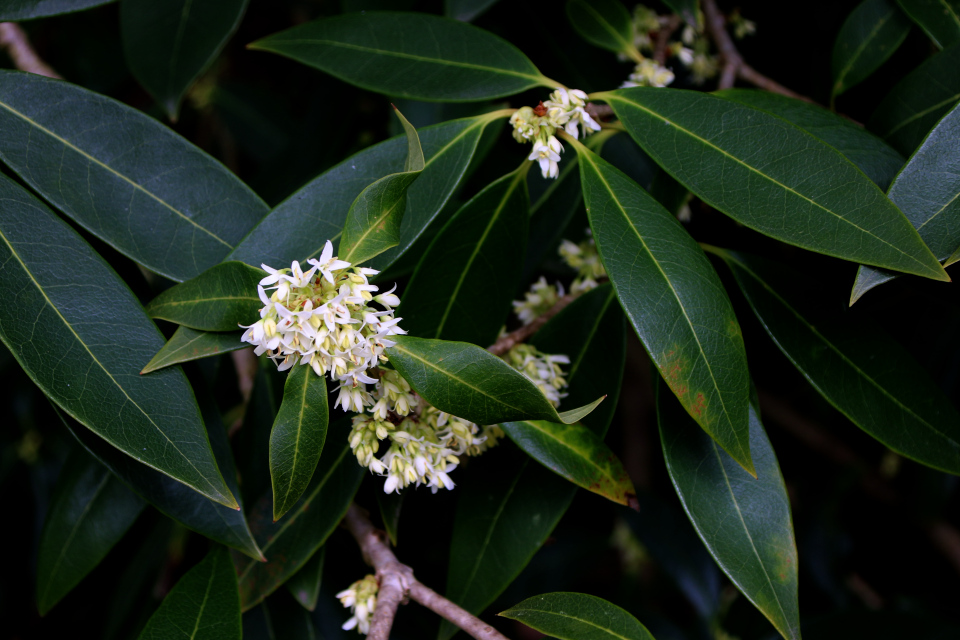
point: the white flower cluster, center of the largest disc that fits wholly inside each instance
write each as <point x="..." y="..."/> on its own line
<point x="424" y="444"/>
<point x="585" y="258"/>
<point x="323" y="318"/>
<point x="566" y="109"/>
<point x="361" y="598"/>
<point x="538" y="300"/>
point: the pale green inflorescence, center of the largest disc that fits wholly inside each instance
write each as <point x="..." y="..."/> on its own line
<point x="325" y="318"/>
<point x="361" y="598"/>
<point x="566" y="110"/>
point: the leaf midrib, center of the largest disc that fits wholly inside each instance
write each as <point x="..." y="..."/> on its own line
<point x="296" y="445"/>
<point x="613" y="97"/>
<point x="919" y="114"/>
<point x="676" y="296"/>
<point x="371" y="228"/>
<point x="603" y="22"/>
<point x="195" y="301"/>
<point x="412" y="56"/>
<point x="859" y="50"/>
<point x="571" y="617"/>
<point x="206" y="596"/>
<point x="106" y="167"/>
<point x="49" y="302"/>
<point x="476" y="251"/>
<point x="605" y="472"/>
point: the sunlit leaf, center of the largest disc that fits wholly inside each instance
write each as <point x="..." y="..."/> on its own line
<point x="123" y="176"/>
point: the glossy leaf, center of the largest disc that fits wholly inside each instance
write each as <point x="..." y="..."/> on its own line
<point x="604" y="23"/>
<point x="870" y="35"/>
<point x="297" y="436"/>
<point x="123" y="176"/>
<point x="19" y="10"/>
<point x="873" y="156"/>
<point x="410" y="55"/>
<point x="918" y="101"/>
<point x="744" y="522"/>
<point x="940" y="19"/>
<point x="466" y="10"/>
<point x="927" y="190"/>
<point x="203" y="605"/>
<point x="577" y="454"/>
<point x="577" y="616"/>
<point x="551" y="214"/>
<point x="64" y="315"/>
<point x="468" y="381"/>
<point x="173" y="499"/>
<point x="674" y="300"/>
<point x="187" y="344"/>
<point x="289" y="543"/>
<point x="168" y="45"/>
<point x="731" y="156"/>
<point x="477" y="256"/>
<point x="373" y="221"/>
<point x="508" y="508"/>
<point x="89" y="513"/>
<point x="305" y="584"/>
<point x="299" y="226"/>
<point x="893" y="398"/>
<point x="219" y="299"/>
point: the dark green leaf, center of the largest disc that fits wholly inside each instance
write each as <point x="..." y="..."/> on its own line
<point x="466" y="10"/>
<point x="305" y="584"/>
<point x="297" y="437"/>
<point x="674" y="300"/>
<point x="499" y="525"/>
<point x="410" y="55"/>
<point x="390" y="505"/>
<point x="477" y="256"/>
<point x="577" y="454"/>
<point x="298" y="227"/>
<point x="891" y="398"/>
<point x="918" y="101"/>
<point x="203" y="605"/>
<point x="873" y="156"/>
<point x="731" y="156"/>
<point x="468" y="381"/>
<point x="927" y="190"/>
<point x="939" y="18"/>
<point x="123" y="176"/>
<point x="173" y="499"/>
<point x="81" y="336"/>
<point x="219" y="299"/>
<point x="551" y="214"/>
<point x="870" y="35"/>
<point x="169" y="44"/>
<point x="604" y="23"/>
<point x="187" y="344"/>
<point x="286" y="620"/>
<point x="686" y="9"/>
<point x="89" y="513"/>
<point x="577" y="616"/>
<point x="19" y="10"/>
<point x="291" y="542"/>
<point x="744" y="522"/>
<point x="373" y="221"/>
<point x="504" y="515"/>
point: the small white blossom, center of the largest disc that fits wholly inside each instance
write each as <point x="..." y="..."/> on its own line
<point x="648" y="73"/>
<point x="547" y="153"/>
<point x="361" y="598"/>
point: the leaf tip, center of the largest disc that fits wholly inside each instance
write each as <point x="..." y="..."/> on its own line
<point x="632" y="502"/>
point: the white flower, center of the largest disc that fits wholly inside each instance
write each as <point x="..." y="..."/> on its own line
<point x="648" y="73"/>
<point x="361" y="598"/>
<point x="547" y="153"/>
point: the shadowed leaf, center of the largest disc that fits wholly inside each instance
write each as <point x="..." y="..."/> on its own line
<point x="219" y="299"/>
<point x="188" y="344"/>
<point x="577" y="616"/>
<point x="870" y="35"/>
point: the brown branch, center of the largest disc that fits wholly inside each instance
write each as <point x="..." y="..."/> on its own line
<point x="17" y="45"/>
<point x="506" y="342"/>
<point x="667" y="29"/>
<point x="397" y="582"/>
<point x="733" y="64"/>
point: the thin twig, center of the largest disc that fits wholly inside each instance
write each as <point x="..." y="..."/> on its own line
<point x="733" y="64"/>
<point x="397" y="582"/>
<point x="508" y="341"/>
<point x="17" y="45"/>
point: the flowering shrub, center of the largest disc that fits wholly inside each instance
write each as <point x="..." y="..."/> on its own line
<point x="269" y="319"/>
